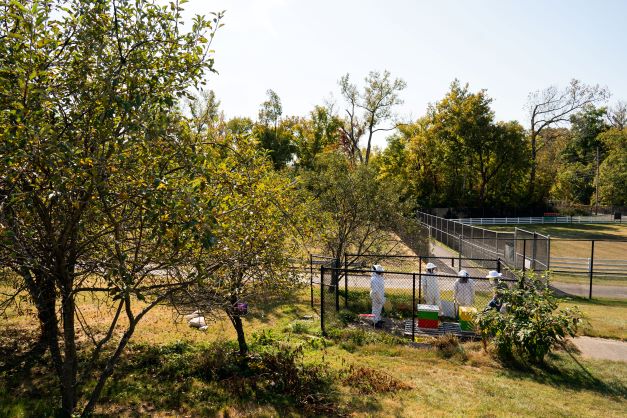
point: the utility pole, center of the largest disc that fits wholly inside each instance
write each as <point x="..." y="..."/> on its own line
<point x="596" y="210"/>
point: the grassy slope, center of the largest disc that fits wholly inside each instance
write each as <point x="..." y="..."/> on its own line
<point x="476" y="386"/>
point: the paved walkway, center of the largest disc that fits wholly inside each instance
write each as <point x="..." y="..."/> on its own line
<point x="601" y="348"/>
<point x="582" y="290"/>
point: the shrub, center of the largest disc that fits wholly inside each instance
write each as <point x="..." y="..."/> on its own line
<point x="300" y="327"/>
<point x="358" y="337"/>
<point x="346" y="316"/>
<point x="531" y="325"/>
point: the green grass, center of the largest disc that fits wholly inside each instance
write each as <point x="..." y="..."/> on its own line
<point x="605" y="318"/>
<point x="571" y="231"/>
<point x="173" y="370"/>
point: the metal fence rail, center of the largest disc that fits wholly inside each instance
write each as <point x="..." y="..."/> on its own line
<point x="526" y="220"/>
<point x="519" y="250"/>
<point x="315" y="262"/>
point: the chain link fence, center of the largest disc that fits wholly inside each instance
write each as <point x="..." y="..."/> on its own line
<point x="579" y="267"/>
<point x="406" y="287"/>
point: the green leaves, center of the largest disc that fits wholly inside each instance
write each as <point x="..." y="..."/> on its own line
<point x="531" y="325"/>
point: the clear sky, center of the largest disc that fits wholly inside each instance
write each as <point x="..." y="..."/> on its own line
<point x="301" y="48"/>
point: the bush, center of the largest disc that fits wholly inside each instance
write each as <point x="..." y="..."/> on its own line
<point x="532" y="324"/>
<point x="300" y="327"/>
<point x="346" y="317"/>
<point x="357" y="337"/>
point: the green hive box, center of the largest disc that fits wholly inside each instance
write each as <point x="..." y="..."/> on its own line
<point x="466" y="316"/>
<point x="428" y="312"/>
<point x="466" y="325"/>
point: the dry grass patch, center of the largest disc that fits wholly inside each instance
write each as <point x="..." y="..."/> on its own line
<point x="366" y="380"/>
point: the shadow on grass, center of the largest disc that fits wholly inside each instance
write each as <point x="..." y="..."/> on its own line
<point x="27" y="383"/>
<point x="562" y="371"/>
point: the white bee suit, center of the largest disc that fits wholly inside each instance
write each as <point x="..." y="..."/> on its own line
<point x="465" y="293"/>
<point x="377" y="294"/>
<point x="431" y="289"/>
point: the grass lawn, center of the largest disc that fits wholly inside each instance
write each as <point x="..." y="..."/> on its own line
<point x="605" y="318"/>
<point x="165" y="372"/>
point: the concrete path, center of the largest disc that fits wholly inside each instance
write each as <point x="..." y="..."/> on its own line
<point x="601" y="348"/>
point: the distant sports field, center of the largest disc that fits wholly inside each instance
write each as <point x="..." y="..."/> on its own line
<point x="572" y="243"/>
<point x="566" y="239"/>
<point x="572" y="231"/>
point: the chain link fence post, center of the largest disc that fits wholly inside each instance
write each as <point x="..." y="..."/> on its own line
<point x="311" y="279"/>
<point x="324" y="333"/>
<point x="591" y="268"/>
<point x="413" y="309"/>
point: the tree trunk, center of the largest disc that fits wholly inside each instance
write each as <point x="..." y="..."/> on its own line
<point x="241" y="337"/>
<point x="42" y="290"/>
<point x="46" y="312"/>
<point x="108" y="370"/>
<point x="70" y="361"/>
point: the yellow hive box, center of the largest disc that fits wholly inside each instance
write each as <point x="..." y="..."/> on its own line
<point x="467" y="313"/>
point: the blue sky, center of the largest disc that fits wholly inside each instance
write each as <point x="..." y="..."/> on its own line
<point x="301" y="48"/>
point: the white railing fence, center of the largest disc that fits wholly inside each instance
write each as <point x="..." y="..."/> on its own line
<point x="527" y="220"/>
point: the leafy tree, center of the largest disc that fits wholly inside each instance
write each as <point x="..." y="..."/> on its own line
<point x="586" y="126"/>
<point x="574" y="183"/>
<point x="613" y="170"/>
<point x="379" y="96"/>
<point x="617" y="115"/>
<point x="256" y="214"/>
<point x="579" y="157"/>
<point x="95" y="165"/>
<point x="550" y="108"/>
<point x="457" y="155"/>
<point x="240" y="126"/>
<point x="319" y="133"/>
<point x="549" y="161"/>
<point x="273" y="135"/>
<point x="353" y="208"/>
<point x="271" y="110"/>
<point x="204" y="112"/>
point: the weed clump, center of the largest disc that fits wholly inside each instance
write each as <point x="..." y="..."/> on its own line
<point x="366" y="380"/>
<point x="357" y="337"/>
<point x="447" y="346"/>
<point x="272" y="373"/>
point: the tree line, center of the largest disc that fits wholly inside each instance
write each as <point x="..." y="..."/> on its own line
<point x="572" y="149"/>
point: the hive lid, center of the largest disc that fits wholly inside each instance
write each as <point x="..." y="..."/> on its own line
<point x="428" y="308"/>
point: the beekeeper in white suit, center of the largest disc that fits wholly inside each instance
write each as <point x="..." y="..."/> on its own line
<point x="464" y="289"/>
<point x="377" y="293"/>
<point x="430" y="285"/>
